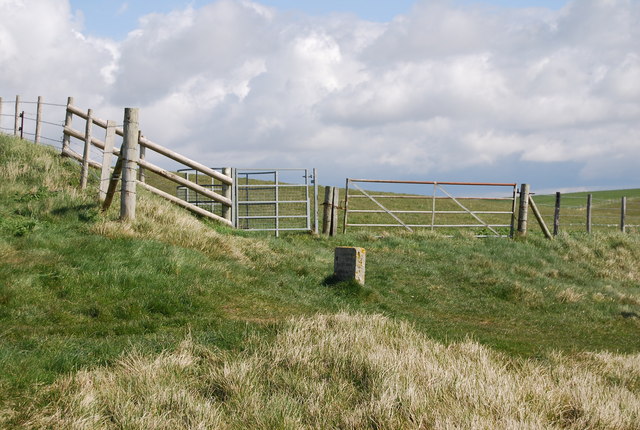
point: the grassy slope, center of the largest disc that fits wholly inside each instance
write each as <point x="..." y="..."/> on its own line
<point x="78" y="288"/>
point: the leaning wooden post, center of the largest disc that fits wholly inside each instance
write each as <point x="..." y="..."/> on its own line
<point x="589" y="200"/>
<point x="38" y="120"/>
<point x="556" y="215"/>
<point x="16" y="122"/>
<point x="67" y="124"/>
<point x="539" y="218"/>
<point x="129" y="164"/>
<point x="87" y="149"/>
<point x="623" y="213"/>
<point x="524" y="208"/>
<point x="227" y="191"/>
<point x="107" y="155"/>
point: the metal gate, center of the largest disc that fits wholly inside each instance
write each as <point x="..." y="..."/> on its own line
<point x="275" y="200"/>
<point x="263" y="199"/>
<point x="432" y="205"/>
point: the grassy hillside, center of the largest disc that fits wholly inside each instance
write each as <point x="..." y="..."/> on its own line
<point x="80" y="290"/>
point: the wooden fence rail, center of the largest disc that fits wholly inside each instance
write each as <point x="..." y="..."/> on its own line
<point x="128" y="163"/>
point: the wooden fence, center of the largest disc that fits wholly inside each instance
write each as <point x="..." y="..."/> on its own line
<point x="132" y="161"/>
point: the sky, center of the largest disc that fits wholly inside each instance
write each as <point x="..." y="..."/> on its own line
<point x="543" y="92"/>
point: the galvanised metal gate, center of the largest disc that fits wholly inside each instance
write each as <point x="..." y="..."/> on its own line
<point x="487" y="209"/>
<point x="275" y="199"/>
<point x="263" y="199"/>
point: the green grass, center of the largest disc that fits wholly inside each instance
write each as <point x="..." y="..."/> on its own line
<point x="78" y="288"/>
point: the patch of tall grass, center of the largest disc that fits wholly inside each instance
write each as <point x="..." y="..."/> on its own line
<point x="349" y="371"/>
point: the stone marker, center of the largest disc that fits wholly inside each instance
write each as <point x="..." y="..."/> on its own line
<point x="349" y="263"/>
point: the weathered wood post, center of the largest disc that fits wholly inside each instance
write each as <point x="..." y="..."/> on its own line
<point x="227" y="192"/>
<point x="524" y="209"/>
<point x="16" y="122"/>
<point x="38" y="120"/>
<point x="326" y="213"/>
<point x="346" y="206"/>
<point x="67" y="124"/>
<point x="556" y="215"/>
<point x="589" y="201"/>
<point x="143" y="153"/>
<point x="330" y="214"/>
<point x="129" y="152"/>
<point x="107" y="156"/>
<point x="87" y="149"/>
<point x="0" y="114"/>
<point x="623" y="213"/>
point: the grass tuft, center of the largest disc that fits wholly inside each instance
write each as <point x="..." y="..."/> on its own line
<point x="349" y="371"/>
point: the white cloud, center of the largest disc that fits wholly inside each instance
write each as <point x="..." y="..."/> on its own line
<point x="435" y="94"/>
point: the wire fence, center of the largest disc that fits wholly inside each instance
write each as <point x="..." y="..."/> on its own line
<point x="601" y="211"/>
<point x="34" y="120"/>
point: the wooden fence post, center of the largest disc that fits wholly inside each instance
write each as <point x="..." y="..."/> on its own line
<point x="67" y="123"/>
<point x="87" y="149"/>
<point x="524" y="209"/>
<point x="330" y="213"/>
<point x="326" y="213"/>
<point x="38" y="120"/>
<point x="107" y="155"/>
<point x="0" y="114"/>
<point x="129" y="153"/>
<point x="16" y="121"/>
<point x="556" y="215"/>
<point x="346" y="206"/>
<point x="143" y="152"/>
<point x="227" y="192"/>
<point x="623" y="213"/>
<point x="589" y="201"/>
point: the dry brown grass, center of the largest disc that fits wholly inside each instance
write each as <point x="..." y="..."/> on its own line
<point x="160" y="220"/>
<point x="350" y="371"/>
